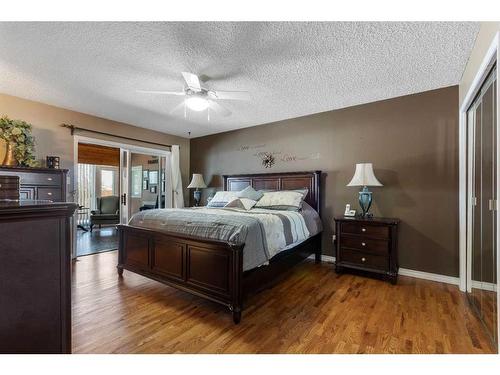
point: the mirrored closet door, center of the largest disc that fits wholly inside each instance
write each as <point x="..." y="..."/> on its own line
<point x="482" y="216"/>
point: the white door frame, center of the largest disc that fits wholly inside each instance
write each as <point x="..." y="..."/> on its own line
<point x="491" y="57"/>
<point x="121" y="146"/>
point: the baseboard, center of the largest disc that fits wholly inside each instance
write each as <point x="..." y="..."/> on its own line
<point x="429" y="276"/>
<point x="411" y="273"/>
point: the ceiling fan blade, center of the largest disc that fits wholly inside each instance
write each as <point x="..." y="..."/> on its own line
<point x="232" y="95"/>
<point x="218" y="109"/>
<point x="192" y="81"/>
<point x="178" y="93"/>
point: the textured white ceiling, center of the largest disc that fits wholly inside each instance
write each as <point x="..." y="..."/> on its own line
<point x="290" y="69"/>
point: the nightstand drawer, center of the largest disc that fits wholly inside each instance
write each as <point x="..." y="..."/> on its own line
<point x="365" y="230"/>
<point x="369" y="245"/>
<point x="364" y="259"/>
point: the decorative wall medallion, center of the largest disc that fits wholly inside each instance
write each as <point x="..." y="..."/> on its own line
<point x="268" y="159"/>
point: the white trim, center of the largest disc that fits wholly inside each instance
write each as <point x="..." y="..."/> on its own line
<point x="484" y="286"/>
<point x="488" y="60"/>
<point x="408" y="272"/>
<point x="430" y="276"/>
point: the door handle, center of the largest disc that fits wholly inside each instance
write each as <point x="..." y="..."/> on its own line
<point x="124" y="199"/>
<point x="492" y="204"/>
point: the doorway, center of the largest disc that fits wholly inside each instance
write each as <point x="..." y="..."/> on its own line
<point x="113" y="182"/>
<point x="98" y="191"/>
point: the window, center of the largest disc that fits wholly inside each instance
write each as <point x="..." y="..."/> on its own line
<point x="136" y="181"/>
<point x="107" y="183"/>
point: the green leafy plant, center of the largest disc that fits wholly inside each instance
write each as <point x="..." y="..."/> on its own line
<point x="18" y="134"/>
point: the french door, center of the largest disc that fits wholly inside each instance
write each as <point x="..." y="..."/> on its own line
<point x="145" y="181"/>
<point x="482" y="284"/>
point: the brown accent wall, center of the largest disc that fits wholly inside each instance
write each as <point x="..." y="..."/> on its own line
<point x="412" y="142"/>
<point x="51" y="139"/>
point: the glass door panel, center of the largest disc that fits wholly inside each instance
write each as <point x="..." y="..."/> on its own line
<point x="145" y="182"/>
<point x="482" y="249"/>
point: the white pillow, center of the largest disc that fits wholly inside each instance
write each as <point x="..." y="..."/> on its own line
<point x="281" y="200"/>
<point x="221" y="198"/>
<point x="244" y="203"/>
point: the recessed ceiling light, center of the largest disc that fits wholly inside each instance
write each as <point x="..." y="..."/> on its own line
<point x="196" y="103"/>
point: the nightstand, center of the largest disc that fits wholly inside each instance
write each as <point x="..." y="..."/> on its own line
<point x="367" y="244"/>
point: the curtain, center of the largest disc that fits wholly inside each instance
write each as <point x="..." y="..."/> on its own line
<point x="177" y="195"/>
<point x="86" y="191"/>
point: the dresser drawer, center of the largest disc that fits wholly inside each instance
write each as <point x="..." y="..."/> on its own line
<point x="377" y="231"/>
<point x="364" y="259"/>
<point x="46" y="179"/>
<point x="366" y="244"/>
<point x="51" y="194"/>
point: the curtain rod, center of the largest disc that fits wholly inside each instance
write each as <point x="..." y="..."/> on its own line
<point x="73" y="128"/>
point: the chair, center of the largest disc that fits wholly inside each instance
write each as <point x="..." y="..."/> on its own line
<point x="107" y="212"/>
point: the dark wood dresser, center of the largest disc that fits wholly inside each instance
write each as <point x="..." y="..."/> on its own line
<point x="39" y="183"/>
<point x="35" y="277"/>
<point x="367" y="244"/>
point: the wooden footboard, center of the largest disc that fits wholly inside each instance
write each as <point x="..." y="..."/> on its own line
<point x="207" y="268"/>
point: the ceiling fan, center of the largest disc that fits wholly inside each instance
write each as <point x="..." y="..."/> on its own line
<point x="199" y="98"/>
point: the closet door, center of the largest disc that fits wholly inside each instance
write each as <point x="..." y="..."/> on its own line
<point x="482" y="291"/>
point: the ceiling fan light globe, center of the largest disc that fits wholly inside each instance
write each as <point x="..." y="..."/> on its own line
<point x="197" y="104"/>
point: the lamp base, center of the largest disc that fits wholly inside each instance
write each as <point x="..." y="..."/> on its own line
<point x="197" y="197"/>
<point x="365" y="202"/>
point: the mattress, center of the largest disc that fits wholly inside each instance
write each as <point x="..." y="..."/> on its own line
<point x="263" y="232"/>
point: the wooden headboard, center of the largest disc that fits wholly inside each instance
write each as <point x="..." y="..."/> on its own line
<point x="278" y="181"/>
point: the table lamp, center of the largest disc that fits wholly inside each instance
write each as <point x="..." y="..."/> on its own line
<point x="197" y="183"/>
<point x="364" y="176"/>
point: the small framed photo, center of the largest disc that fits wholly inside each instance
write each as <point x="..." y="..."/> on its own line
<point x="153" y="177"/>
<point x="145" y="184"/>
<point x="145" y="174"/>
<point x="153" y="189"/>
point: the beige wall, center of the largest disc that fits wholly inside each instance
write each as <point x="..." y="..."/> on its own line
<point x="51" y="139"/>
<point x="411" y="140"/>
<point x="484" y="38"/>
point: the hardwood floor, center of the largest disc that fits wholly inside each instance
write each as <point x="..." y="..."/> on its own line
<point x="312" y="310"/>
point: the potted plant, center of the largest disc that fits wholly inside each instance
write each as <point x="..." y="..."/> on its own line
<point x="20" y="149"/>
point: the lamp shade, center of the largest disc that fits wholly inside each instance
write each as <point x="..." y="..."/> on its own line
<point x="364" y="176"/>
<point x="197" y="182"/>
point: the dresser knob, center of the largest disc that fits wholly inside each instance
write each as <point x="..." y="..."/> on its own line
<point x="363" y="229"/>
<point x="49" y="178"/>
<point x="363" y="259"/>
<point x="363" y="244"/>
<point x="49" y="193"/>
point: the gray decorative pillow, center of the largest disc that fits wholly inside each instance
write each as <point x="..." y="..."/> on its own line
<point x="221" y="198"/>
<point x="281" y="200"/>
<point x="250" y="193"/>
<point x="243" y="203"/>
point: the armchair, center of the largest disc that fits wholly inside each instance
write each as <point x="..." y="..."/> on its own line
<point x="107" y="212"/>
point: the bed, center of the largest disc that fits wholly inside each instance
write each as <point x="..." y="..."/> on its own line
<point x="211" y="268"/>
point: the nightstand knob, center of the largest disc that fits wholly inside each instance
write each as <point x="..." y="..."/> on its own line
<point x="363" y="244"/>
<point x="49" y="178"/>
<point x="363" y="229"/>
<point x="49" y="193"/>
<point x="363" y="259"/>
